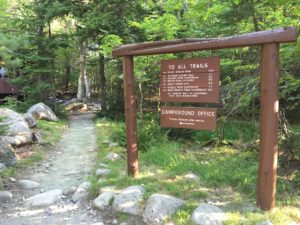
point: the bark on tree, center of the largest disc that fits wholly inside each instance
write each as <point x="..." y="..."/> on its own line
<point x="81" y="71"/>
<point x="102" y="82"/>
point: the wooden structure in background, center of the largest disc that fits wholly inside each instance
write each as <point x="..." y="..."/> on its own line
<point x="269" y="105"/>
<point x="6" y="88"/>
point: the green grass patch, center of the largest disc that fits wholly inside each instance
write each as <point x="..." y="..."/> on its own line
<point x="51" y="131"/>
<point x="226" y="174"/>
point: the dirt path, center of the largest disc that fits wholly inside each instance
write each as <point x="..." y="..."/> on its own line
<point x="67" y="165"/>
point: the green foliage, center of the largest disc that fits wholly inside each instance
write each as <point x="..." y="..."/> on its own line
<point x="13" y="104"/>
<point x="227" y="175"/>
<point x="109" y="42"/>
<point x="3" y="127"/>
<point x="291" y="146"/>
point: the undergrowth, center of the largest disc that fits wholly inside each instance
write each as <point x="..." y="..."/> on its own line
<point x="227" y="173"/>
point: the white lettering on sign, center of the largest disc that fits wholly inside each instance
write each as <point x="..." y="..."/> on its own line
<point x="191" y="66"/>
<point x="198" y="65"/>
<point x="187" y="112"/>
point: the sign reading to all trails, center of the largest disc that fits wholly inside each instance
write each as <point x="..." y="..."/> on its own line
<point x="268" y="40"/>
<point x="188" y="117"/>
<point x="190" y="80"/>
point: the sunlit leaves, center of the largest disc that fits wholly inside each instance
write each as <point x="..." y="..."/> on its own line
<point x="109" y="42"/>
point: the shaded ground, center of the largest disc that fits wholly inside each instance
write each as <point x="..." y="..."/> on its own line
<point x="67" y="165"/>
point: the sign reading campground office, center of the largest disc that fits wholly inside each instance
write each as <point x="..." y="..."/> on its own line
<point x="190" y="80"/>
<point x="188" y="117"/>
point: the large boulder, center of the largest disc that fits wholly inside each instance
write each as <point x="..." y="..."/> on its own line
<point x="206" y="214"/>
<point x="159" y="207"/>
<point x="41" y="111"/>
<point x="129" y="200"/>
<point x="7" y="155"/>
<point x="18" y="131"/>
<point x="31" y="121"/>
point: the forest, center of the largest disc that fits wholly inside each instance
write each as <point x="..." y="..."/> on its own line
<point x="54" y="47"/>
<point x="56" y="51"/>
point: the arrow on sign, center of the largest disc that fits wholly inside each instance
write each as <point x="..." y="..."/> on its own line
<point x="181" y="123"/>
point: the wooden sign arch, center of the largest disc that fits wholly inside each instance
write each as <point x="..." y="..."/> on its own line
<point x="269" y="104"/>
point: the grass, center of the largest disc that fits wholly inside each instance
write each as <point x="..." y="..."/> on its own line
<point x="51" y="133"/>
<point x="227" y="175"/>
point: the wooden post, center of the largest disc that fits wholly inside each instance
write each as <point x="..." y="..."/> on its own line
<point x="269" y="108"/>
<point x="130" y="113"/>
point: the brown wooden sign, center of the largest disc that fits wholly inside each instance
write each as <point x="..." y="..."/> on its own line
<point x="190" y="80"/>
<point x="269" y="42"/>
<point x="188" y="117"/>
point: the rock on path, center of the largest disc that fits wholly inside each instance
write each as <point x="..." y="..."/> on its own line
<point x="82" y="192"/>
<point x="44" y="199"/>
<point x="159" y="207"/>
<point x="28" y="184"/>
<point x="5" y="196"/>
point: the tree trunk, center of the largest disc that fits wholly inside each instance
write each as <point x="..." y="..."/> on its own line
<point x="81" y="71"/>
<point x="86" y="81"/>
<point x="102" y="83"/>
<point x="254" y="18"/>
<point x="67" y="74"/>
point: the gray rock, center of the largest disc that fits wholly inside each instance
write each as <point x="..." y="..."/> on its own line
<point x="159" y="207"/>
<point x="99" y="223"/>
<point x="103" y="201"/>
<point x="206" y="214"/>
<point x="7" y="155"/>
<point x="191" y="177"/>
<point x="18" y="131"/>
<point x="113" y="144"/>
<point x="129" y="200"/>
<point x="266" y="222"/>
<point x="28" y="184"/>
<point x="102" y="172"/>
<point x="69" y="191"/>
<point x="11" y="179"/>
<point x="106" y="141"/>
<point x="42" y="111"/>
<point x="112" y="157"/>
<point x="44" y="199"/>
<point x="82" y="192"/>
<point x="30" y="120"/>
<point x="2" y="167"/>
<point x="5" y="196"/>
